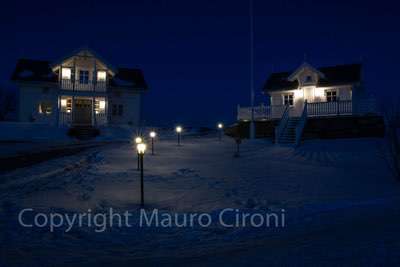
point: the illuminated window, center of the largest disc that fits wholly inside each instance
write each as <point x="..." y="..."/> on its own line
<point x="66" y="73"/>
<point x="288" y="99"/>
<point x="45" y="108"/>
<point x="63" y="102"/>
<point x="101" y="76"/>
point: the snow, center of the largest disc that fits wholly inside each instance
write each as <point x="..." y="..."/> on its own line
<point x="340" y="197"/>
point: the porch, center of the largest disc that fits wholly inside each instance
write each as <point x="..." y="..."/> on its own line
<point x="314" y="109"/>
<point x="82" y="111"/>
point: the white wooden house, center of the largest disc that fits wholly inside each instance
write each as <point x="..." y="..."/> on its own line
<point x="310" y="92"/>
<point x="79" y="90"/>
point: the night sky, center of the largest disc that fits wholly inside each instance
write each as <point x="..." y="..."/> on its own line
<point x="195" y="54"/>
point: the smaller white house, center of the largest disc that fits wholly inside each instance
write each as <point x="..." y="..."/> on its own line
<point x="310" y="92"/>
<point x="79" y="90"/>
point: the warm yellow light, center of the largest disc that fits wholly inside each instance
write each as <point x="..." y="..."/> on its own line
<point x="102" y="104"/>
<point x="298" y="93"/>
<point x="220" y="126"/>
<point x="63" y="102"/>
<point x="319" y="92"/>
<point x="138" y="140"/>
<point x="101" y="76"/>
<point x="141" y="148"/>
<point x="153" y="134"/>
<point x="178" y="129"/>
<point x="66" y="73"/>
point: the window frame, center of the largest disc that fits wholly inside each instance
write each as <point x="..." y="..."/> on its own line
<point x="331" y="95"/>
<point x="83" y="79"/>
<point x="288" y="99"/>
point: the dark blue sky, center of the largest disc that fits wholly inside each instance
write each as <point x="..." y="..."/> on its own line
<point x="195" y="54"/>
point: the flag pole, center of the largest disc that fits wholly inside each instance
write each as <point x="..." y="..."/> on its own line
<point x="251" y="15"/>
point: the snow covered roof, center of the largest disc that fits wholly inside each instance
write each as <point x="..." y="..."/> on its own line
<point x="33" y="70"/>
<point x="39" y="70"/>
<point x="126" y="77"/>
<point x="333" y="75"/>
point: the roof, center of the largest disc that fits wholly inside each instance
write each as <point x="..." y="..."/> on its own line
<point x="33" y="70"/>
<point x="40" y="71"/>
<point x="126" y="77"/>
<point x="334" y="75"/>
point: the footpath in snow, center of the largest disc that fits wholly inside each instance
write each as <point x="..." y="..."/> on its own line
<point x="328" y="189"/>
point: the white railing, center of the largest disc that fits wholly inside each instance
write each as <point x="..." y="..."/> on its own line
<point x="65" y="118"/>
<point x="261" y="112"/>
<point x="330" y="108"/>
<point x="314" y="109"/>
<point x="301" y="124"/>
<point x="101" y="118"/>
<point x="282" y="124"/>
<point x="99" y="86"/>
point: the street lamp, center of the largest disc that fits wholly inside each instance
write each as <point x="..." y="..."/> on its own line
<point x="141" y="148"/>
<point x="178" y="130"/>
<point x="220" y="129"/>
<point x="153" y="134"/>
<point x="138" y="140"/>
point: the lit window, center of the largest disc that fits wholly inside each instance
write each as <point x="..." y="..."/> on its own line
<point x="331" y="96"/>
<point x="66" y="73"/>
<point x="288" y="99"/>
<point x="45" y="108"/>
<point x="63" y="102"/>
<point x="102" y="104"/>
<point x="101" y="76"/>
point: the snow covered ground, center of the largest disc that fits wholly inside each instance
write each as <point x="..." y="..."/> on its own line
<point x="340" y="198"/>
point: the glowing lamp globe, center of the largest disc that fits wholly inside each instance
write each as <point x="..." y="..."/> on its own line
<point x="220" y="126"/>
<point x="153" y="134"/>
<point x="178" y="129"/>
<point x="141" y="148"/>
<point x="138" y="140"/>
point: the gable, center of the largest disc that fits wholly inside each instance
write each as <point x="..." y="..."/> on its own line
<point x="83" y="55"/>
<point x="331" y="76"/>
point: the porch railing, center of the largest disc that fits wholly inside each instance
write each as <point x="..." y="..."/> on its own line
<point x="66" y="119"/>
<point x="261" y="112"/>
<point x="302" y="123"/>
<point x="330" y="108"/>
<point x="98" y="86"/>
<point x="282" y="124"/>
<point x="362" y="106"/>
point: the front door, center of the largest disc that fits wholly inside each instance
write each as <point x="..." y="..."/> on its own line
<point x="83" y="112"/>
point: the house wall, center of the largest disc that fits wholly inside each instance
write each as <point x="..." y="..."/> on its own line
<point x="131" y="102"/>
<point x="30" y="97"/>
<point x="311" y="94"/>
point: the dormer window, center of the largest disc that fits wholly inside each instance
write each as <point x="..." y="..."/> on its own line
<point x="101" y="76"/>
<point x="66" y="74"/>
<point x="308" y="79"/>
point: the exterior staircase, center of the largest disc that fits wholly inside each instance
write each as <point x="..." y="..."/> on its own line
<point x="83" y="132"/>
<point x="288" y="135"/>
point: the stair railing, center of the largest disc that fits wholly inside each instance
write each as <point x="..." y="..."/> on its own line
<point x="282" y="124"/>
<point x="302" y="122"/>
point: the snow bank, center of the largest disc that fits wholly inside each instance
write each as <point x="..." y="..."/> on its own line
<point x="20" y="131"/>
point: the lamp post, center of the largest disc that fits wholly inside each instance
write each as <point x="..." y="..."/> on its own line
<point x="178" y="130"/>
<point x="220" y="129"/>
<point x="153" y="134"/>
<point x="141" y="148"/>
<point x="238" y="141"/>
<point x="138" y="140"/>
